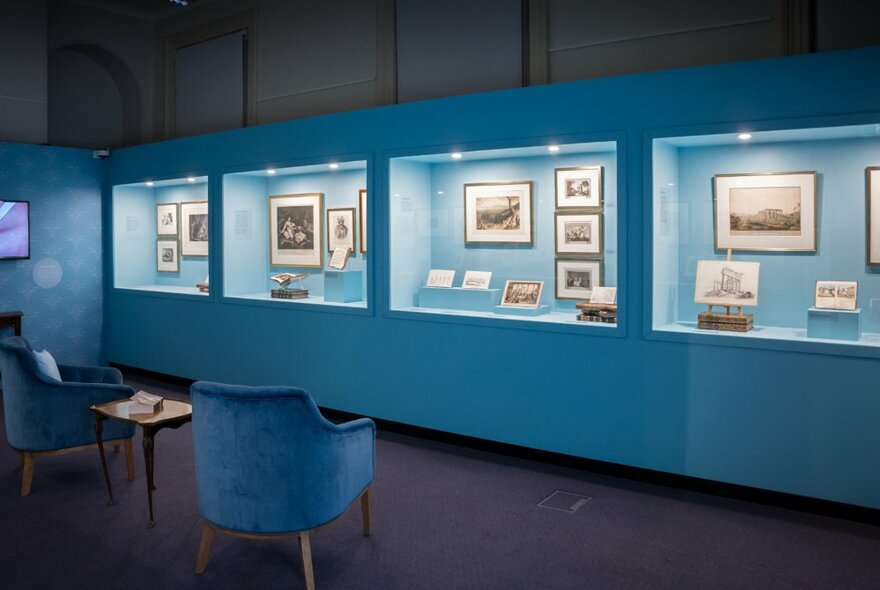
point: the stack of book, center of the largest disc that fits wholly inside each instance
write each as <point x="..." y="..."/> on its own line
<point x="289" y="293"/>
<point x="604" y="313"/>
<point x="143" y="403"/>
<point x="203" y="287"/>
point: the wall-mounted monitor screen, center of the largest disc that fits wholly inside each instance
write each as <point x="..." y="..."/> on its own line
<point x="15" y="240"/>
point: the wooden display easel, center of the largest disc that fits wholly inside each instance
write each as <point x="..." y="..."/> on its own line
<point x="738" y="322"/>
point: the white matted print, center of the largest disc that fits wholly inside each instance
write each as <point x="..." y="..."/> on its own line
<point x="766" y="212"/>
<point x="498" y="213"/>
<point x="580" y="186"/>
<point x="295" y="230"/>
<point x="341" y="229"/>
<point x="362" y="196"/>
<point x="440" y="278"/>
<point x="167" y="219"/>
<point x="476" y="279"/>
<point x="167" y="255"/>
<point x="579" y="233"/>
<point x="194" y="225"/>
<point x="522" y="293"/>
<point x="836" y="295"/>
<point x="575" y="279"/>
<point x="725" y="282"/>
<point x="872" y="203"/>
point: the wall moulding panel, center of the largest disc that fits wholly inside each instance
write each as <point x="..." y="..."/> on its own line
<point x="763" y="414"/>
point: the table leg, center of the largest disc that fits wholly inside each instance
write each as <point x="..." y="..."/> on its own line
<point x="99" y="430"/>
<point x="148" y="463"/>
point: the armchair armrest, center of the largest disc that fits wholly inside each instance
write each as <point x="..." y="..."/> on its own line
<point x="354" y="448"/>
<point x="77" y="374"/>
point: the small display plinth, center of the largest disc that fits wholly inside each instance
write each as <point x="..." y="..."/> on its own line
<point x="834" y="324"/>
<point x="459" y="299"/>
<point x="343" y="286"/>
<point x="708" y="320"/>
<point x="289" y="293"/>
<point x="510" y="310"/>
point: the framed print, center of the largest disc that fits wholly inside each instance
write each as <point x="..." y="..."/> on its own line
<point x="498" y="213"/>
<point x="362" y="217"/>
<point x="766" y="212"/>
<point x="295" y="230"/>
<point x="167" y="255"/>
<point x="872" y="215"/>
<point x="522" y="293"/>
<point x="725" y="282"/>
<point x="194" y="223"/>
<point x="167" y="220"/>
<point x="836" y="295"/>
<point x="579" y="233"/>
<point x="440" y="278"/>
<point x="476" y="279"/>
<point x="580" y="186"/>
<point x="341" y="229"/>
<point x="576" y="279"/>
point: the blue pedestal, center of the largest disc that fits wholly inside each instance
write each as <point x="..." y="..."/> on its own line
<point x="459" y="299"/>
<point x="834" y="324"/>
<point x="540" y="310"/>
<point x="343" y="286"/>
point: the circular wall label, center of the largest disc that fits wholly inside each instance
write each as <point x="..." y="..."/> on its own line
<point x="47" y="273"/>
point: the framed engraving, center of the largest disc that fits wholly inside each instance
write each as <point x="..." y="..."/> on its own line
<point x="522" y="293"/>
<point x="579" y="187"/>
<point x="167" y="219"/>
<point x="725" y="282"/>
<point x="194" y="223"/>
<point x="341" y="229"/>
<point x="498" y="213"/>
<point x="836" y="295"/>
<point x="476" y="279"/>
<point x="167" y="255"/>
<point x="295" y="230"/>
<point x="579" y="234"/>
<point x="872" y="214"/>
<point x="766" y="212"/>
<point x="362" y="217"/>
<point x="440" y="278"/>
<point x="576" y="279"/>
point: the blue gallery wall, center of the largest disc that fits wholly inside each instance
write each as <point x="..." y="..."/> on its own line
<point x="801" y="421"/>
<point x="64" y="189"/>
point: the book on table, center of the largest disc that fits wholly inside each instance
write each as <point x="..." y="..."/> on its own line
<point x="144" y="403"/>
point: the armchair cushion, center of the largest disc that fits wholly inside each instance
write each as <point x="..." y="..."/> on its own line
<point x="46" y="365"/>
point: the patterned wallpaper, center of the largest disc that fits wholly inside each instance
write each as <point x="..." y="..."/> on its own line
<point x="60" y="288"/>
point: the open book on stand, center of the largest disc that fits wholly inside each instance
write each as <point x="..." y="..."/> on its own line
<point x="144" y="403"/>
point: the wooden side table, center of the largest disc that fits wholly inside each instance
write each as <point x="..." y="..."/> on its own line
<point x="173" y="414"/>
<point x="11" y="319"/>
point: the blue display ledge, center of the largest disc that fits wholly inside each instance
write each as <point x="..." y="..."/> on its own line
<point x="769" y="337"/>
<point x="834" y="324"/>
<point x="165" y="290"/>
<point x="522" y="311"/>
<point x="343" y="286"/>
<point x="316" y="300"/>
<point x="459" y="299"/>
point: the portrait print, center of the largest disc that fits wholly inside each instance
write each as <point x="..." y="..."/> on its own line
<point x="295" y="234"/>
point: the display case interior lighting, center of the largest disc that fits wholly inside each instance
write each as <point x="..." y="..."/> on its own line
<point x="456" y="155"/>
<point x="190" y="179"/>
<point x="150" y="183"/>
<point x="334" y="166"/>
<point x="553" y="148"/>
<point x="271" y="171"/>
<point x="744" y="136"/>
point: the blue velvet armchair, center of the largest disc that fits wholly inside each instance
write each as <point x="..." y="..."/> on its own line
<point x="45" y="416"/>
<point x="269" y="464"/>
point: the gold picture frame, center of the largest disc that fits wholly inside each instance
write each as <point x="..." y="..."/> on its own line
<point x="499" y="213"/>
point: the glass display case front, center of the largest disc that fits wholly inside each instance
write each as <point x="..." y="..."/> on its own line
<point x="297" y="234"/>
<point x="520" y="233"/>
<point x="160" y="236"/>
<point x="768" y="235"/>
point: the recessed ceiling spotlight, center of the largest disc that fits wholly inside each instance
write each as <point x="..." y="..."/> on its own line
<point x="439" y="192"/>
<point x="334" y="166"/>
<point x="271" y="171"/>
<point x="553" y="148"/>
<point x="456" y="155"/>
<point x="150" y="183"/>
<point x="190" y="178"/>
<point x="744" y="136"/>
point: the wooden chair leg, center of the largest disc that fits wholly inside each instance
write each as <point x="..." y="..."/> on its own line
<point x="365" y="511"/>
<point x="27" y="472"/>
<point x="129" y="459"/>
<point x="208" y="533"/>
<point x="115" y="448"/>
<point x="305" y="547"/>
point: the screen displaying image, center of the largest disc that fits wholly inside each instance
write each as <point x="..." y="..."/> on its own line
<point x="14" y="230"/>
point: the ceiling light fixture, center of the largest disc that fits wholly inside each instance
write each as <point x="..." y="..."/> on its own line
<point x="744" y="136"/>
<point x="150" y="183"/>
<point x="456" y="155"/>
<point x="271" y="171"/>
<point x="190" y="179"/>
<point x="334" y="166"/>
<point x="553" y="148"/>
